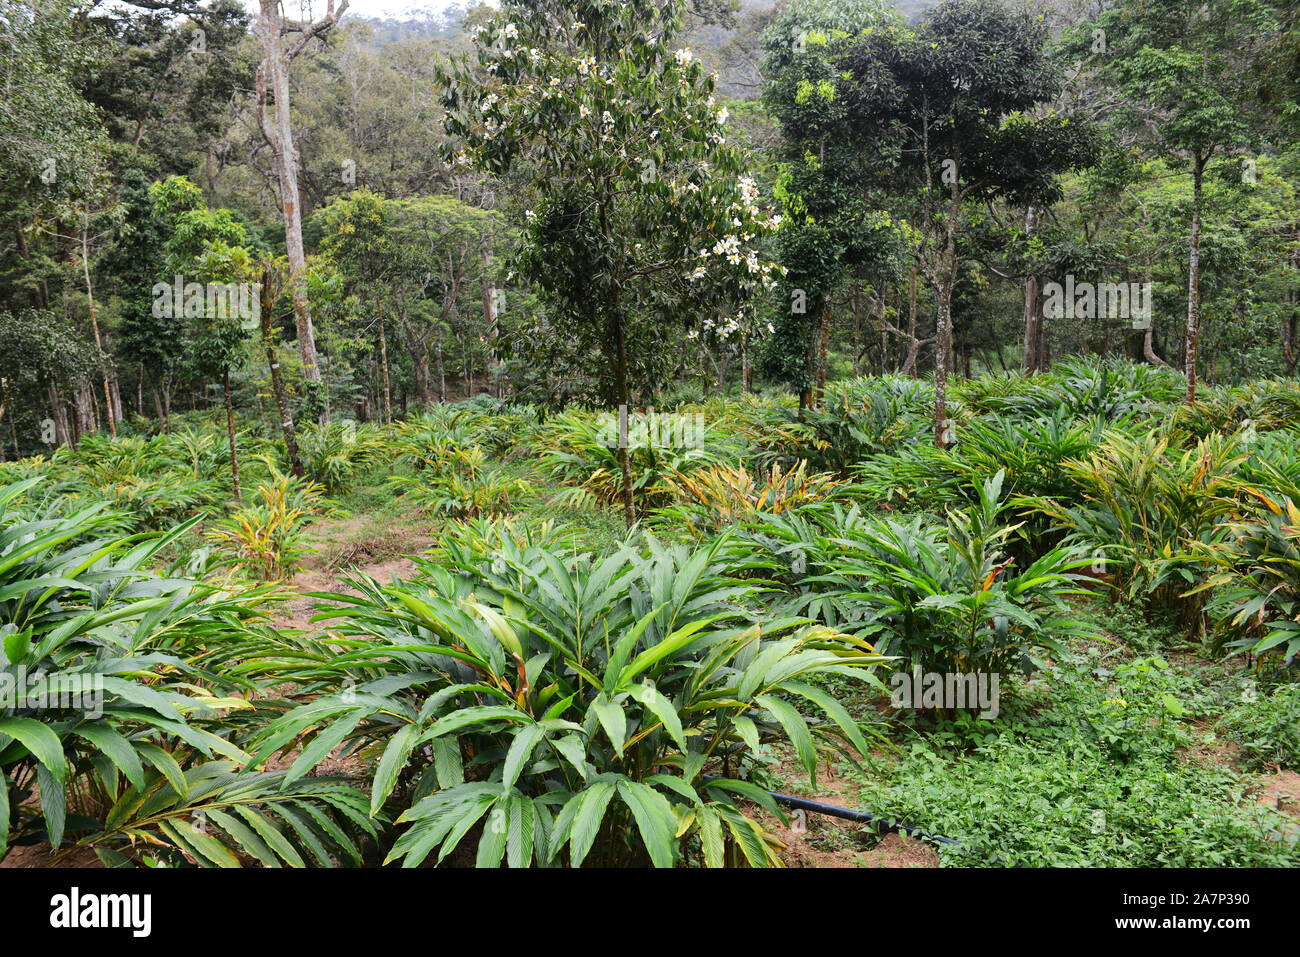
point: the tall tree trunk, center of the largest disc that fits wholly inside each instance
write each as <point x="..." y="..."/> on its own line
<point x="746" y="373"/>
<point x="1148" y="348"/>
<point x="92" y="408"/>
<point x="158" y="407"/>
<point x="913" y="344"/>
<point x="230" y="434"/>
<point x="625" y="403"/>
<point x="439" y="365"/>
<point x="1193" y="282"/>
<point x="277" y="383"/>
<point x="490" y="323"/>
<point x="823" y="353"/>
<point x="94" y="324"/>
<point x="856" y="307"/>
<point x="1032" y="326"/>
<point x="420" y="359"/>
<point x="59" y="413"/>
<point x="271" y="30"/>
<point x="167" y="403"/>
<point x="82" y="423"/>
<point x="943" y="327"/>
<point x="878" y="308"/>
<point x="117" y="398"/>
<point x="943" y="341"/>
<point x="1289" y="354"/>
<point x="1148" y="334"/>
<point x="383" y="362"/>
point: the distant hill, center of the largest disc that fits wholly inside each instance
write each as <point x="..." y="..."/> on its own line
<point x="912" y="9"/>
<point x="422" y="23"/>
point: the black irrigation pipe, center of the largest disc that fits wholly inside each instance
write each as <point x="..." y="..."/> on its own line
<point x="861" y="817"/>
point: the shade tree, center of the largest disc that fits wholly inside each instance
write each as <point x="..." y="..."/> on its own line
<point x="642" y="213"/>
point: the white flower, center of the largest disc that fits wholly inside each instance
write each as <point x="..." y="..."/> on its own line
<point x="722" y="116"/>
<point x="583" y="111"/>
<point x="771" y="328"/>
<point x="683" y="56"/>
<point x="530" y="215"/>
<point x="729" y="245"/>
<point x="512" y="31"/>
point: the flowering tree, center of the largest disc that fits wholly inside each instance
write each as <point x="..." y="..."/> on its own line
<point x="644" y="224"/>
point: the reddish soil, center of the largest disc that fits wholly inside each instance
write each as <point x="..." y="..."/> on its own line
<point x="38" y="855"/>
<point x="815" y="840"/>
<point x="339" y="548"/>
<point x="1282" y="791"/>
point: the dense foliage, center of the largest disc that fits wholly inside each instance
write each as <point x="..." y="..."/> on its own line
<point x="543" y="433"/>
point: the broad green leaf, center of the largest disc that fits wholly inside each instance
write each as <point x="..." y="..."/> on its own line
<point x="521" y="749"/>
<point x="612" y="719"/>
<point x="391" y="764"/>
<point x="654" y="819"/>
<point x="592" y="803"/>
<point x="43" y="743"/>
<point x="797" y="730"/>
